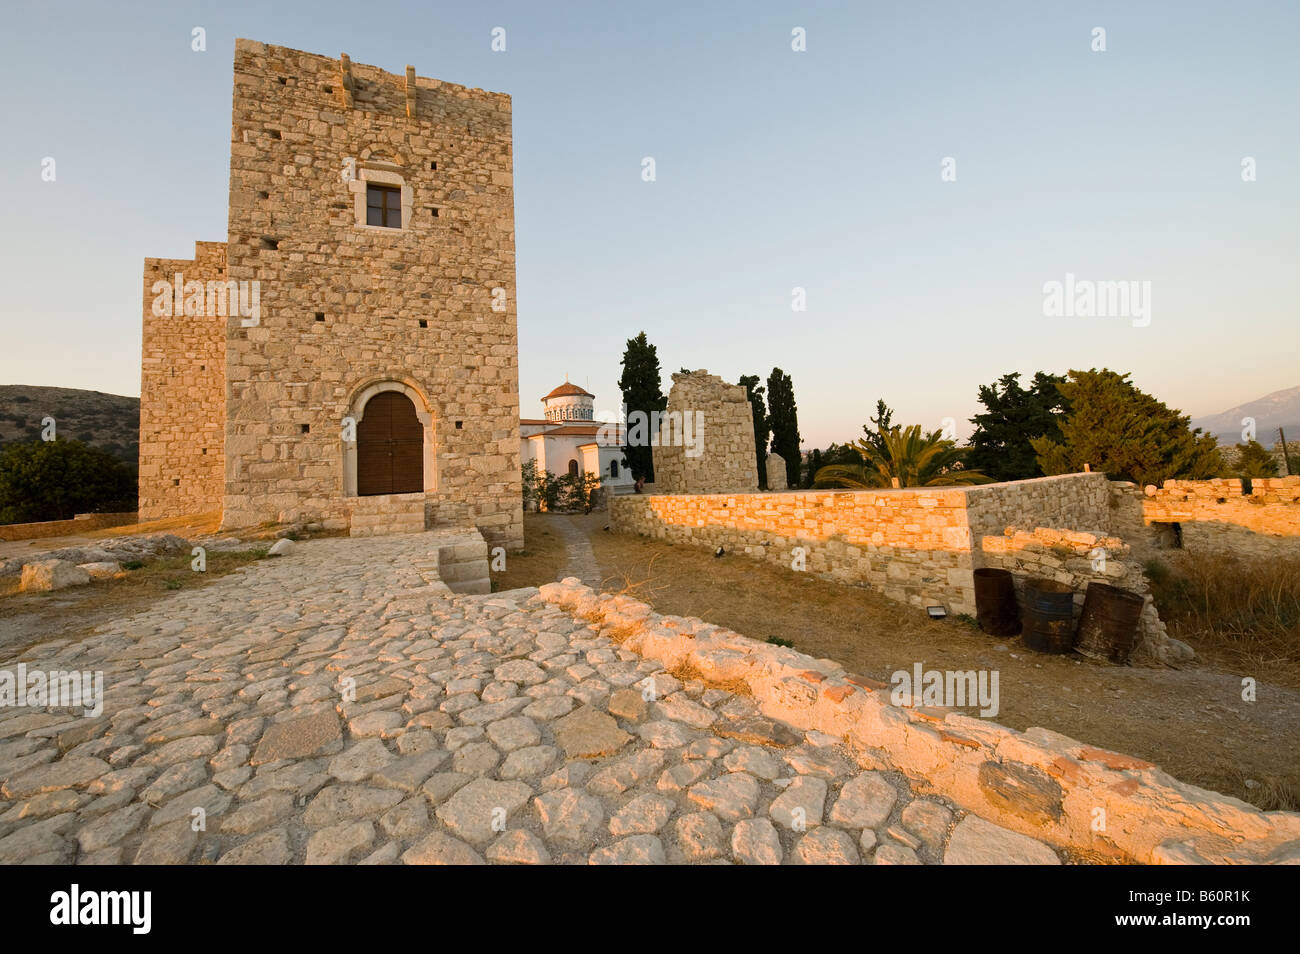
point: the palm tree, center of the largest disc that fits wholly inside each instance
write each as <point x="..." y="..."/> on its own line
<point x="905" y="455"/>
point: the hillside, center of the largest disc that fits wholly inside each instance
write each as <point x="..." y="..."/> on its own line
<point x="108" y="421"/>
<point x="1279" y="409"/>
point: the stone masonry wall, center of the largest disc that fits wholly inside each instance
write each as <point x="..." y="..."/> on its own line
<point x="915" y="545"/>
<point x="912" y="545"/>
<point x="1077" y="501"/>
<point x="1216" y="516"/>
<point x="182" y="395"/>
<point x="342" y="302"/>
<point x="725" y="462"/>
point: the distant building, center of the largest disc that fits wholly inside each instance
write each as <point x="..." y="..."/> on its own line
<point x="568" y="439"/>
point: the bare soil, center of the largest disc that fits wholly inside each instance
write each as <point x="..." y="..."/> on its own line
<point x="1191" y="722"/>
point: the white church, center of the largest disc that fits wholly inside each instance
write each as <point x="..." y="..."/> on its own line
<point x="569" y="440"/>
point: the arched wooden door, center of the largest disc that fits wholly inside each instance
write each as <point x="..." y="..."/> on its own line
<point x="390" y="447"/>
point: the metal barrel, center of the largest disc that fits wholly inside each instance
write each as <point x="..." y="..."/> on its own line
<point x="1109" y="624"/>
<point x="995" y="602"/>
<point x="1049" y="616"/>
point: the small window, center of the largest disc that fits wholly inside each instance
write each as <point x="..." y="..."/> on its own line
<point x="573" y="468"/>
<point x="613" y="468"/>
<point x="384" y="206"/>
<point x="424" y="323"/>
<point x="306" y="428"/>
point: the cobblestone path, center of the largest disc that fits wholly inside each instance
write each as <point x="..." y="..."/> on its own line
<point x="577" y="547"/>
<point x="333" y="706"/>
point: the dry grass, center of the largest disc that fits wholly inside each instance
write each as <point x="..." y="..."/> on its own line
<point x="685" y="672"/>
<point x="541" y="559"/>
<point x="30" y="618"/>
<point x="187" y="526"/>
<point x="1241" y="612"/>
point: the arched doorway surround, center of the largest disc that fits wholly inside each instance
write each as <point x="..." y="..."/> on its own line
<point x="399" y="430"/>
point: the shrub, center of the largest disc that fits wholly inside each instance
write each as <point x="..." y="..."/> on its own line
<point x="55" y="480"/>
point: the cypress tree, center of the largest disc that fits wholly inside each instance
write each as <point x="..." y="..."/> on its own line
<point x="642" y="391"/>
<point x="784" y="417"/>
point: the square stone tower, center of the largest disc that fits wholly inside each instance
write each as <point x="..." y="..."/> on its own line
<point x="371" y="221"/>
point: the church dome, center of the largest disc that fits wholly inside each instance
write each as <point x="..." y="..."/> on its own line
<point x="568" y="390"/>
<point x="569" y="402"/>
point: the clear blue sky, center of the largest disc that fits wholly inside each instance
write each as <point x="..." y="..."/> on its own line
<point x="775" y="169"/>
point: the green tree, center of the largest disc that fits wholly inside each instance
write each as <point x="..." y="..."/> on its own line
<point x="578" y="491"/>
<point x="906" y="455"/>
<point x="1013" y="417"/>
<point x="815" y="464"/>
<point x="642" y="392"/>
<point x="1125" y="432"/>
<point x="1254" y="460"/>
<point x="880" y="424"/>
<point x="528" y="479"/>
<point x="762" y="428"/>
<point x="56" y="480"/>
<point x="783" y="417"/>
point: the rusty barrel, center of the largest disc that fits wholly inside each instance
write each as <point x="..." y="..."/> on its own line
<point x="1049" y="616"/>
<point x="1109" y="624"/>
<point x="995" y="602"/>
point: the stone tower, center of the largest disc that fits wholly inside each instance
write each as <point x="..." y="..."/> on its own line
<point x="371" y="214"/>
<point x="704" y="443"/>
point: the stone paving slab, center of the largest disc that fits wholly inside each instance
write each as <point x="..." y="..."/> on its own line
<point x="337" y="705"/>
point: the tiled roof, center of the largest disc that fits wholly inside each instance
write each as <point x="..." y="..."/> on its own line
<point x="566" y="389"/>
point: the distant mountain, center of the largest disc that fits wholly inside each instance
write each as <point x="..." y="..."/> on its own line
<point x="107" y="421"/>
<point x="1279" y="409"/>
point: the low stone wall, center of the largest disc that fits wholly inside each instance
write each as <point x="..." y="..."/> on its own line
<point x="1068" y="500"/>
<point x="1217" y="516"/>
<point x="915" y="545"/>
<point x="1037" y="782"/>
<point x="1078" y="558"/>
<point x="81" y="523"/>
<point x="911" y="545"/>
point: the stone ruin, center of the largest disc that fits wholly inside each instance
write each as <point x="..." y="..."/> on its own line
<point x="705" y="440"/>
<point x="776" y="472"/>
